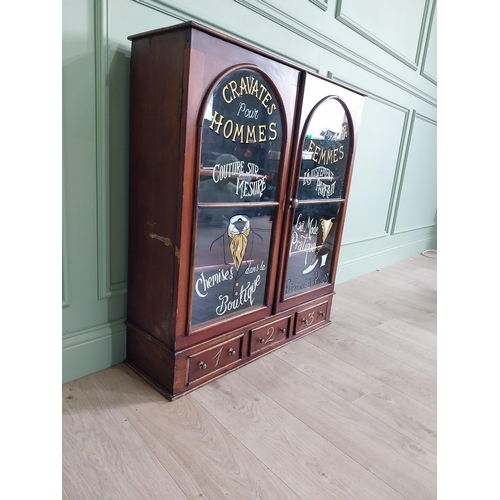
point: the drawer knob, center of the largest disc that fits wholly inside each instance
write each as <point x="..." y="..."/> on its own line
<point x="283" y="330"/>
<point x="322" y="313"/>
<point x="202" y="365"/>
<point x="261" y="340"/>
<point x="231" y="352"/>
<point x="304" y="320"/>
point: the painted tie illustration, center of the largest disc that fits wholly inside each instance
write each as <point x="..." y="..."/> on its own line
<point x="238" y="230"/>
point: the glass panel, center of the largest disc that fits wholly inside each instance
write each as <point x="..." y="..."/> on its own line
<point x="241" y="144"/>
<point x="325" y="153"/>
<point x="231" y="261"/>
<point x="241" y="141"/>
<point x="313" y="235"/>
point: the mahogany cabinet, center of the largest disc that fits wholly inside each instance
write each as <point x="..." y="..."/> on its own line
<point x="240" y="165"/>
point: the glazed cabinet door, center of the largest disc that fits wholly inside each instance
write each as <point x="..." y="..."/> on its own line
<point x="242" y="141"/>
<point x="318" y="193"/>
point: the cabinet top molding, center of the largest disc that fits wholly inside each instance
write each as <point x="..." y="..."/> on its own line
<point x="192" y="25"/>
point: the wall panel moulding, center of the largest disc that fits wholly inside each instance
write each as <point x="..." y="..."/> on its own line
<point x="300" y="28"/>
<point x="398" y="30"/>
<point x="322" y="4"/>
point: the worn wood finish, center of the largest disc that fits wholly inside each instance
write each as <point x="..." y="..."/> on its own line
<point x="345" y="413"/>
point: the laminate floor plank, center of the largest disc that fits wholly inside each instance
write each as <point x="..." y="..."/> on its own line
<point x="389" y="305"/>
<point x="402" y="273"/>
<point x="416" y="293"/>
<point x="421" y="262"/>
<point x="398" y="461"/>
<point x="102" y="454"/>
<point x="366" y="312"/>
<point x="405" y="271"/>
<point x="384" y="368"/>
<point x="206" y="460"/>
<point x="417" y="336"/>
<point x="427" y="322"/>
<point x="341" y="378"/>
<point x="417" y="264"/>
<point x="394" y="275"/>
<point x="395" y="347"/>
<point x="308" y="463"/>
<point x="414" y="420"/>
<point x="404" y="290"/>
<point x="373" y="315"/>
<point x="426" y="282"/>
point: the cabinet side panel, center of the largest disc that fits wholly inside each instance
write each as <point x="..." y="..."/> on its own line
<point x="157" y="67"/>
<point x="150" y="358"/>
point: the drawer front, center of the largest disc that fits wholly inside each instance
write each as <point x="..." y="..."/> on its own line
<point x="311" y="317"/>
<point x="268" y="335"/>
<point x="214" y="359"/>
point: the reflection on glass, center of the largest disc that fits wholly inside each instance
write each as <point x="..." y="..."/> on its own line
<point x="230" y="261"/>
<point x="325" y="153"/>
<point x="313" y="234"/>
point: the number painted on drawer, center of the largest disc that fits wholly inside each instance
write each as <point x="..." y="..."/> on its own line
<point x="264" y="336"/>
<point x="311" y="317"/>
<point x="217" y="356"/>
<point x="309" y="320"/>
<point x="269" y="336"/>
<point x="213" y="359"/>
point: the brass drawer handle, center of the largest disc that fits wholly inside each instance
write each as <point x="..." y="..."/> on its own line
<point x="231" y="352"/>
<point x="202" y="365"/>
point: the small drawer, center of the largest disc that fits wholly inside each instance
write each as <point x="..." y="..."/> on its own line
<point x="311" y="318"/>
<point x="214" y="359"/>
<point x="269" y="334"/>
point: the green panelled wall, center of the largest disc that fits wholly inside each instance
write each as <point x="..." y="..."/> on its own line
<point x="385" y="48"/>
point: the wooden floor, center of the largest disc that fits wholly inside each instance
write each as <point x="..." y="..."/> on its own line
<point x="348" y="412"/>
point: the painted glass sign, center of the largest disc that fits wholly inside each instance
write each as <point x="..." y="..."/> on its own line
<point x="324" y="153"/>
<point x="241" y="145"/>
<point x="320" y="192"/>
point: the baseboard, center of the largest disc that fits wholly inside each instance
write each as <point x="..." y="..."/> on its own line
<point x="92" y="350"/>
<point x="352" y="268"/>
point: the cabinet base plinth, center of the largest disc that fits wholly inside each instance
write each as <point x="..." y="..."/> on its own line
<point x="174" y="375"/>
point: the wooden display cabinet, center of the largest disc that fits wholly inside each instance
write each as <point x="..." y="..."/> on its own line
<point x="240" y="165"/>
